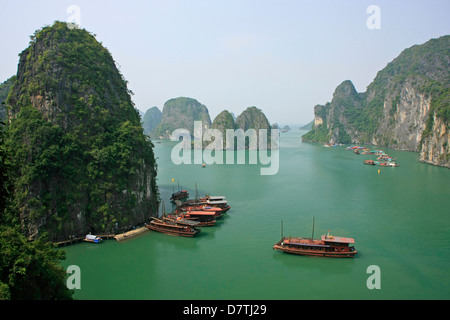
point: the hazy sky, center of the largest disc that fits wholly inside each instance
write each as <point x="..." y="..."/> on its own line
<point x="282" y="56"/>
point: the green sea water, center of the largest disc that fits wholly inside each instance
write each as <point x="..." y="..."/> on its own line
<point x="398" y="217"/>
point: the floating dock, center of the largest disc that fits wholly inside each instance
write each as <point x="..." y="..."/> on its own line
<point x="130" y="234"/>
<point x="119" y="237"/>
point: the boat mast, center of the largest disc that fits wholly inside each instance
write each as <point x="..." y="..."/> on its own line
<point x="163" y="209"/>
<point x="312" y="237"/>
<point x="282" y="237"/>
<point x="196" y="193"/>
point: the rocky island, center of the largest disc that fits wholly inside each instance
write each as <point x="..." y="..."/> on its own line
<point x="151" y="119"/>
<point x="406" y="107"/>
<point x="183" y="112"/>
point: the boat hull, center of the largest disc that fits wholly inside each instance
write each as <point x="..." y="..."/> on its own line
<point x="93" y="241"/>
<point x="173" y="231"/>
<point x="314" y="253"/>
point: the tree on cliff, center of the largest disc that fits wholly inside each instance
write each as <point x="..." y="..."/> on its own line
<point x="28" y="270"/>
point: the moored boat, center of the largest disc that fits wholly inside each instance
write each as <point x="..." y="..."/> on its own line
<point x="327" y="246"/>
<point x="179" y="195"/>
<point x="202" y="207"/>
<point x="207" y="202"/>
<point x="389" y="164"/>
<point x="92" y="238"/>
<point x="203" y="218"/>
<point x="216" y="201"/>
<point x="172" y="227"/>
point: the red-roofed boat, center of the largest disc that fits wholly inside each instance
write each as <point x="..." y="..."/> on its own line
<point x="204" y="218"/>
<point x="327" y="246"/>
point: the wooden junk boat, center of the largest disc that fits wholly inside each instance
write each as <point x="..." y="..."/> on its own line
<point x="179" y="195"/>
<point x="216" y="211"/>
<point x="327" y="246"/>
<point x="172" y="227"/>
<point x="216" y="201"/>
<point x="203" y="218"/>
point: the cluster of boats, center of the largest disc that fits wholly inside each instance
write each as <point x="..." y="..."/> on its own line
<point x="383" y="159"/>
<point x="189" y="215"/>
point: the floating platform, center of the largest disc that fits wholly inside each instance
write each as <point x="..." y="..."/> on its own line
<point x="130" y="234"/>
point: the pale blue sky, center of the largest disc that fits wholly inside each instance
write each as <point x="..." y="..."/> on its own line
<point x="283" y="56"/>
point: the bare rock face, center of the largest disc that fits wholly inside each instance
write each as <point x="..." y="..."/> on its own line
<point x="435" y="146"/>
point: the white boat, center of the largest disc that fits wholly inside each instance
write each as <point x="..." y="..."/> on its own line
<point x="93" y="238"/>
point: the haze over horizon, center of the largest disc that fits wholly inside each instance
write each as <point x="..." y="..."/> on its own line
<point x="283" y="57"/>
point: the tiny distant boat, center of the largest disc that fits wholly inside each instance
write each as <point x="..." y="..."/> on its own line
<point x="216" y="201"/>
<point x="327" y="145"/>
<point x="175" y="228"/>
<point x="388" y="164"/>
<point x="93" y="238"/>
<point x="369" y="162"/>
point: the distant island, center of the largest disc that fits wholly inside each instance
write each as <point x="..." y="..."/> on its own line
<point x="151" y="120"/>
<point x="182" y="112"/>
<point x="406" y="107"/>
<point x="307" y="126"/>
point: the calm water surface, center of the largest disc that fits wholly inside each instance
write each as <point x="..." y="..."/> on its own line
<point x="399" y="219"/>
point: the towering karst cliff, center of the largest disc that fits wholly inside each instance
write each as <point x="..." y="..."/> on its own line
<point x="81" y="161"/>
<point x="406" y="107"/>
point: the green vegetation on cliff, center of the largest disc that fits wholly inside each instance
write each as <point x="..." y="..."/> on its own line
<point x="81" y="161"/>
<point x="224" y="121"/>
<point x="180" y="113"/>
<point x="28" y="269"/>
<point x="252" y="118"/>
<point x="5" y="88"/>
